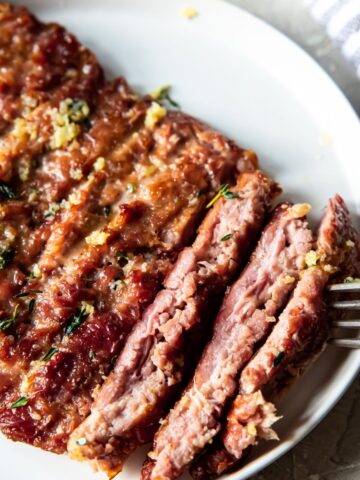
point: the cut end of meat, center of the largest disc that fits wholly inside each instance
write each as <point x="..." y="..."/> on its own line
<point x="250" y="417"/>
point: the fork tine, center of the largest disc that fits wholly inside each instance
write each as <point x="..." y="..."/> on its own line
<point x="345" y="342"/>
<point x="344" y="287"/>
<point x="346" y="305"/>
<point x="346" y="323"/>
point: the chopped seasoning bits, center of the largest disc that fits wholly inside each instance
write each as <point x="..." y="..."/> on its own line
<point x="6" y="256"/>
<point x="351" y="280"/>
<point x="330" y="268"/>
<point x="99" y="164"/>
<point x="163" y="93"/>
<point x="189" y="12"/>
<point x="36" y="272"/>
<point x="349" y="244"/>
<point x="288" y="279"/>
<point x="21" y="402"/>
<point x="300" y="210"/>
<point x="76" y="321"/>
<point x="278" y="358"/>
<point x="88" y="308"/>
<point x="311" y="259"/>
<point x="6" y="192"/>
<point x="66" y="121"/>
<point x="226" y="237"/>
<point x="223" y="192"/>
<point x="154" y="114"/>
<point x="5" y="324"/>
<point x="81" y="441"/>
<point x="50" y="354"/>
<point x="131" y="187"/>
<point x="52" y="210"/>
<point x="76" y="173"/>
<point x="97" y="238"/>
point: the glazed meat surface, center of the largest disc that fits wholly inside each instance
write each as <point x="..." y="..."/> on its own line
<point x="299" y="334"/>
<point x="245" y="317"/>
<point x="152" y="364"/>
<point x="97" y="199"/>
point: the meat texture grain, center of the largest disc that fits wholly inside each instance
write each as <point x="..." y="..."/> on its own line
<point x="152" y="365"/>
<point x="244" y="319"/>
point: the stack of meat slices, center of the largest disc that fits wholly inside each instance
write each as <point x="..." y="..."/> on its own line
<point x="122" y="226"/>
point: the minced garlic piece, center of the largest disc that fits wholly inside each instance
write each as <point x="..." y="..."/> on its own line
<point x="88" y="308"/>
<point x="251" y="429"/>
<point x="300" y="210"/>
<point x="270" y="319"/>
<point x="66" y="121"/>
<point x="24" y="172"/>
<point x="63" y="134"/>
<point x="311" y="259"/>
<point x="351" y="280"/>
<point x="189" y="12"/>
<point x="36" y="272"/>
<point x="350" y="244"/>
<point x="97" y="238"/>
<point x="288" y="279"/>
<point x="330" y="268"/>
<point x="23" y="129"/>
<point x="99" y="164"/>
<point x="76" y="173"/>
<point x="154" y="114"/>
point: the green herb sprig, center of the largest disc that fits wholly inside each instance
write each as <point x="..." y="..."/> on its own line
<point x="20" y="402"/>
<point x="5" y="324"/>
<point x="76" y="321"/>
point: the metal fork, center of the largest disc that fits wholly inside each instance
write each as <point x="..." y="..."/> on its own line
<point x="346" y="306"/>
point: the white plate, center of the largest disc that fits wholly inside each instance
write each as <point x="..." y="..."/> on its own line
<point x="250" y="82"/>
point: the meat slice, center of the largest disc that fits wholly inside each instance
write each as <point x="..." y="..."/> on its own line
<point x="299" y="334"/>
<point x="152" y="364"/>
<point x="244" y="319"/>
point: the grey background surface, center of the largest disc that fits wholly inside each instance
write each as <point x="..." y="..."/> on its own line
<point x="332" y="450"/>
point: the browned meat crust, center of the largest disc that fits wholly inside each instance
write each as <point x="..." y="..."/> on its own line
<point x="244" y="318"/>
<point x="299" y="334"/>
<point x="90" y="224"/>
<point x="152" y="363"/>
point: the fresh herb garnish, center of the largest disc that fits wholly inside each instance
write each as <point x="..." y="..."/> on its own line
<point x="5" y="324"/>
<point x="6" y="191"/>
<point x="223" y="192"/>
<point x="79" y="111"/>
<point x="131" y="187"/>
<point x="20" y="402"/>
<point x="92" y="355"/>
<point x="6" y="256"/>
<point x="226" y="237"/>
<point x="31" y="305"/>
<point x="163" y="93"/>
<point x="278" y="358"/>
<point x="231" y="195"/>
<point x="114" y="285"/>
<point x="81" y="441"/>
<point x="76" y="321"/>
<point x="122" y="255"/>
<point x="52" y="210"/>
<point x="106" y="210"/>
<point x="50" y="354"/>
<point x="26" y="294"/>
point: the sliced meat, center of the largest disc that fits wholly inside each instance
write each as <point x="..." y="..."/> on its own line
<point x="244" y="319"/>
<point x="152" y="364"/>
<point x="102" y="258"/>
<point x="299" y="334"/>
